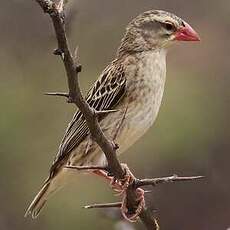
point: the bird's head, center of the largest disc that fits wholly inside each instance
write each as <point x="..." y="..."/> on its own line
<point x="156" y="29"/>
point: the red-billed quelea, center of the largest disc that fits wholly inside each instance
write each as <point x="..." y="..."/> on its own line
<point x="132" y="84"/>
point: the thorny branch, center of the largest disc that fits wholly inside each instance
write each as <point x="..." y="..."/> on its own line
<point x="163" y="180"/>
<point x="74" y="96"/>
<point x="72" y="68"/>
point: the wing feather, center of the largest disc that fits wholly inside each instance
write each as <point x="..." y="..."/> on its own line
<point x="104" y="95"/>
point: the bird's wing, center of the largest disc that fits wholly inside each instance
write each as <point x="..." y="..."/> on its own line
<point x="104" y="95"/>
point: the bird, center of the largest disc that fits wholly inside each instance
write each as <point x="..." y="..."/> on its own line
<point x="132" y="85"/>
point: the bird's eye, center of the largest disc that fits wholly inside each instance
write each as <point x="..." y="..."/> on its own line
<point x="168" y="26"/>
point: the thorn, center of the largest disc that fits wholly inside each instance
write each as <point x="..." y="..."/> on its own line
<point x="148" y="191"/>
<point x="106" y="205"/>
<point x="86" y="167"/>
<point x="171" y="179"/>
<point x="103" y="112"/>
<point x="57" y="94"/>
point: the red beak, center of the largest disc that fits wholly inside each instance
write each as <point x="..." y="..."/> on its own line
<point x="186" y="33"/>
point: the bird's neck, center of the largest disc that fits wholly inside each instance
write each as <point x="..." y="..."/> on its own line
<point x="145" y="70"/>
<point x="132" y="44"/>
<point x="153" y="55"/>
<point x="151" y="65"/>
<point x="148" y="65"/>
<point x="127" y="47"/>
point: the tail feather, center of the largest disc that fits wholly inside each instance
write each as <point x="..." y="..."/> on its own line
<point x="51" y="185"/>
<point x="40" y="200"/>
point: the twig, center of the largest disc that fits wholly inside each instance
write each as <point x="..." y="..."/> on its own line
<point x="106" y="205"/>
<point x="163" y="180"/>
<point x="57" y="94"/>
<point x="103" y="112"/>
<point x="79" y="168"/>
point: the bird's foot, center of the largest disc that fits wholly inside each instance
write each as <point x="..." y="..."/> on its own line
<point x="120" y="186"/>
<point x="102" y="173"/>
<point x="116" y="185"/>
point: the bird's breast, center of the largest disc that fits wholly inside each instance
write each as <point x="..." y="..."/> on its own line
<point x="145" y="89"/>
<point x="144" y="95"/>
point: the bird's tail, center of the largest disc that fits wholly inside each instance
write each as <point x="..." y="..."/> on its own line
<point x="40" y="199"/>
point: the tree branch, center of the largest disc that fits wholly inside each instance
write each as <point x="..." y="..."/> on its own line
<point x="59" y="94"/>
<point x="74" y="94"/>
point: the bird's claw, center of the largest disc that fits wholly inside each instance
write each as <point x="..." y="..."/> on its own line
<point x="120" y="186"/>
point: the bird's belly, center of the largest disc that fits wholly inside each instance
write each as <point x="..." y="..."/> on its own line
<point x="138" y="120"/>
<point x="133" y="119"/>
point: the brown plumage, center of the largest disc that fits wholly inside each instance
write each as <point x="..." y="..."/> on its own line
<point x="133" y="84"/>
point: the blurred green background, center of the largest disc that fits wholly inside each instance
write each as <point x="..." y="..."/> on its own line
<point x="190" y="137"/>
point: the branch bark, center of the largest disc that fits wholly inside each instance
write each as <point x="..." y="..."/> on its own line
<point x="72" y="68"/>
